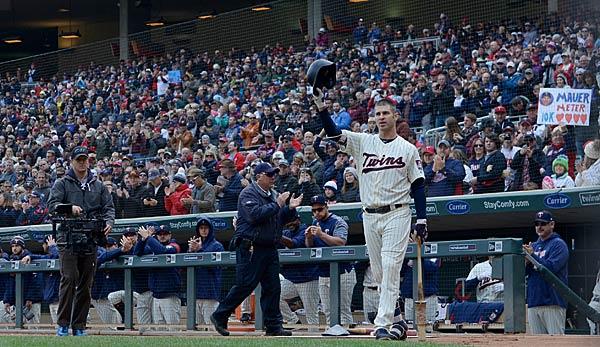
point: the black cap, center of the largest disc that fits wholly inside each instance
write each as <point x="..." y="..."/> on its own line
<point x="544" y="216"/>
<point x="110" y="241"/>
<point x="79" y="151"/>
<point x="163" y="229"/>
<point x="318" y="200"/>
<point x="130" y="231"/>
<point x="265" y="168"/>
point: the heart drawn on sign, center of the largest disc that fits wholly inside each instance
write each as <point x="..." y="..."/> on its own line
<point x="560" y="116"/>
<point x="568" y="117"/>
<point x="576" y="118"/>
<point x="583" y="118"/>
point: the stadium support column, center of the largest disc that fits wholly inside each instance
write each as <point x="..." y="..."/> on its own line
<point x="314" y="18"/>
<point x="124" y="30"/>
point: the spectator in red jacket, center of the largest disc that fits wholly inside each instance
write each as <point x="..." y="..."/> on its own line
<point x="178" y="190"/>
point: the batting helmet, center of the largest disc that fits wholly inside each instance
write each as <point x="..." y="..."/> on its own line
<point x="321" y="73"/>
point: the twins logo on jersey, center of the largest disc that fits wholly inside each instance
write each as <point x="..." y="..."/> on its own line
<point x="373" y="162"/>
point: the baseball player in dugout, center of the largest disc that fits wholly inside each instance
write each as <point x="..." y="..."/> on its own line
<point x="90" y="199"/>
<point x="390" y="169"/>
<point x="262" y="214"/>
<point x="546" y="309"/>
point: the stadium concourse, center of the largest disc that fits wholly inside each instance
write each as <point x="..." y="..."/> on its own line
<point x="468" y="93"/>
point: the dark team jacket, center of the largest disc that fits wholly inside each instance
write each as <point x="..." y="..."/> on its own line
<point x="33" y="283"/>
<point x="431" y="274"/>
<point x="490" y="178"/>
<point x="260" y="218"/>
<point x="444" y="183"/>
<point x="208" y="279"/>
<point x="52" y="278"/>
<point x="106" y="281"/>
<point x="298" y="273"/>
<point x="163" y="282"/>
<point x="554" y="255"/>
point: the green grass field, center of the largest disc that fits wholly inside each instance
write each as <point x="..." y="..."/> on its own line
<point x="135" y="341"/>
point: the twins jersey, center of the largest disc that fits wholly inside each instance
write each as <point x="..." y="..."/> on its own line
<point x="386" y="170"/>
<point x="488" y="289"/>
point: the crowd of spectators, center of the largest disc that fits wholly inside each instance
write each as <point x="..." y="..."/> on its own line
<point x="165" y="146"/>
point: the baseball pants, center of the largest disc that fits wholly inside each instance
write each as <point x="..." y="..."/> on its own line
<point x="546" y="320"/>
<point x="246" y="306"/>
<point x="204" y="308"/>
<point x="347" y="282"/>
<point x="142" y="302"/>
<point x="595" y="304"/>
<point x="6" y="317"/>
<point x="387" y="237"/>
<point x="370" y="301"/>
<point x="53" y="312"/>
<point x="431" y="303"/>
<point x="308" y="293"/>
<point x="107" y="312"/>
<point x="166" y="310"/>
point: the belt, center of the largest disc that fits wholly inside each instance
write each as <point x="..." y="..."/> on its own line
<point x="596" y="299"/>
<point x="383" y="209"/>
<point x="373" y="288"/>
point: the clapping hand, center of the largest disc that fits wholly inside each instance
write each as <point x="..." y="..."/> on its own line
<point x="194" y="244"/>
<point x="126" y="244"/>
<point x="145" y="232"/>
<point x="282" y="198"/>
<point x="50" y="241"/>
<point x="295" y="202"/>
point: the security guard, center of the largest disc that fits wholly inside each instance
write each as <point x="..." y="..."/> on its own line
<point x="261" y="217"/>
<point x="90" y="198"/>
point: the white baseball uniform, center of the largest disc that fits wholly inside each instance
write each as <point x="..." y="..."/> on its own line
<point x="166" y="310"/>
<point x="142" y="302"/>
<point x="487" y="289"/>
<point x="385" y="172"/>
<point x="370" y="294"/>
<point x="107" y="312"/>
<point x="595" y="303"/>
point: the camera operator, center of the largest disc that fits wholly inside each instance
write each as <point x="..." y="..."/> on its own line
<point x="90" y="199"/>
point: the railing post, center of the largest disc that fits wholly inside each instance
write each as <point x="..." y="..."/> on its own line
<point x="18" y="300"/>
<point x="259" y="324"/>
<point x="334" y="294"/>
<point x="191" y="298"/>
<point x="128" y="299"/>
<point x="514" y="293"/>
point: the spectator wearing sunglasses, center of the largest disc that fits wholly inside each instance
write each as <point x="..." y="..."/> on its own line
<point x="546" y="309"/>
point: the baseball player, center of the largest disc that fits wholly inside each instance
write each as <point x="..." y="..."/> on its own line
<point x="164" y="283"/>
<point x="370" y="295"/>
<point x="480" y="277"/>
<point x="390" y="170"/>
<point x="142" y="296"/>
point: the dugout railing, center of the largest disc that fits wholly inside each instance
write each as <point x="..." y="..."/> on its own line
<point x="510" y="268"/>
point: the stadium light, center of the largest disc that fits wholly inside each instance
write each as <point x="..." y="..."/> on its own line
<point x="261" y="8"/>
<point x="70" y="34"/>
<point x="207" y="15"/>
<point x="12" y="40"/>
<point x="156" y="23"/>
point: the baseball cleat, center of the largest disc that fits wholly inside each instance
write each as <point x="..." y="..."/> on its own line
<point x="399" y="329"/>
<point x="384" y="334"/>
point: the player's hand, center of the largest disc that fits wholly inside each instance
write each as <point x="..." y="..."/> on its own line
<point x="107" y="229"/>
<point x="295" y="202"/>
<point x="144" y="233"/>
<point x="76" y="210"/>
<point x="282" y="198"/>
<point x="528" y="248"/>
<point x="50" y="241"/>
<point x="318" y="98"/>
<point x="317" y="231"/>
<point x="126" y="244"/>
<point x="194" y="244"/>
<point x="420" y="228"/>
<point x="308" y="233"/>
<point x="26" y="260"/>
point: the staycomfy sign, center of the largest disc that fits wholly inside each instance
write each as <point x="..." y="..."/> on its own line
<point x="564" y="106"/>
